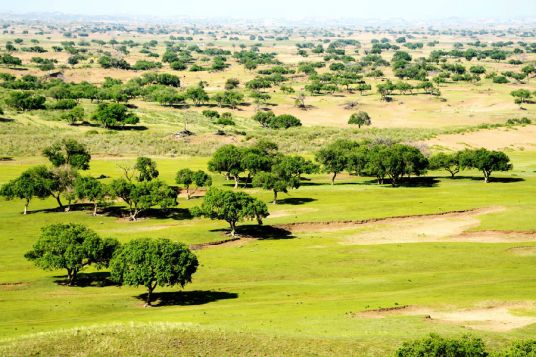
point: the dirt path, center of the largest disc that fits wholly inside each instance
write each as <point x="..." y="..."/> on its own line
<point x="446" y="227"/>
<point x="492" y="317"/>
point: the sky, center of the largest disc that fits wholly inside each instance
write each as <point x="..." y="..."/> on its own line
<point x="370" y="9"/>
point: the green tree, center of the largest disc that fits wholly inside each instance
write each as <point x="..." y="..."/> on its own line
<point x="187" y="178"/>
<point x="446" y="161"/>
<point x="146" y="168"/>
<point x="285" y="174"/>
<point x="486" y="161"/>
<point x="197" y="94"/>
<point x="72" y="247"/>
<point x="334" y="157"/>
<point x="25" y="101"/>
<point x="227" y="159"/>
<point x="231" y="83"/>
<point x="152" y="263"/>
<point x="74" y="115"/>
<point x="143" y="195"/>
<point x="68" y="152"/>
<point x="114" y="114"/>
<point x="521" y="95"/>
<point x="34" y="182"/>
<point x="91" y="189"/>
<point x="231" y="207"/>
<point x="360" y="119"/>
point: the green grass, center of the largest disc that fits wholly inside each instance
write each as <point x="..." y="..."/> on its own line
<point x="267" y="296"/>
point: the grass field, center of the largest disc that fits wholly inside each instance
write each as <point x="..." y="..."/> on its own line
<point x="303" y="293"/>
<point x="351" y="269"/>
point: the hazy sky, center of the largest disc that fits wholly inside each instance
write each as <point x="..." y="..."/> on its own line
<point x="408" y="9"/>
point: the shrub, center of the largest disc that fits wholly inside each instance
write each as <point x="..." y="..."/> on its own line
<point x="435" y="345"/>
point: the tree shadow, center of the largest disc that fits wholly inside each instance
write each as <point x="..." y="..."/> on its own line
<point x="264" y="232"/>
<point x="295" y="200"/>
<point x="130" y="128"/>
<point x="187" y="298"/>
<point x="491" y="179"/>
<point x="95" y="279"/>
<point x="418" y="182"/>
<point x="6" y="120"/>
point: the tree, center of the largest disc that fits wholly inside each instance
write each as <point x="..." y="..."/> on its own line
<point x="34" y="182"/>
<point x="68" y="152"/>
<point x="25" y="101"/>
<point x="227" y="159"/>
<point x="197" y="94"/>
<point x="486" y="161"/>
<point x="449" y="162"/>
<point x="62" y="180"/>
<point x="74" y="115"/>
<point x="285" y="174"/>
<point x="146" y="168"/>
<point x="231" y="83"/>
<point x="231" y="207"/>
<point x="259" y="98"/>
<point x="114" y="114"/>
<point x="334" y="157"/>
<point x="269" y="120"/>
<point x="521" y="95"/>
<point x="143" y="195"/>
<point x="404" y="160"/>
<point x="91" y="189"/>
<point x="72" y="247"/>
<point x="187" y="177"/>
<point x="152" y="263"/>
<point x="360" y="118"/>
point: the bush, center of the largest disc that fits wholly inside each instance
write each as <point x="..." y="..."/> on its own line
<point x="211" y="114"/>
<point x="500" y="80"/>
<point x="63" y="104"/>
<point x="435" y="345"/>
<point x="270" y="120"/>
<point x="25" y="101"/>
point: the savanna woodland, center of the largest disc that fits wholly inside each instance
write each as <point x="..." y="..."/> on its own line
<point x="188" y="187"/>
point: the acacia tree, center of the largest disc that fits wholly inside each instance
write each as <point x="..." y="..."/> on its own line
<point x="227" y="159"/>
<point x="72" y="247"/>
<point x="404" y="160"/>
<point x="34" y="182"/>
<point x="360" y="118"/>
<point x="231" y="207"/>
<point x="68" y="152"/>
<point x="91" y="189"/>
<point x="187" y="177"/>
<point x="449" y="162"/>
<point x="152" y="263"/>
<point x="62" y="180"/>
<point x="141" y="196"/>
<point x="486" y="161"/>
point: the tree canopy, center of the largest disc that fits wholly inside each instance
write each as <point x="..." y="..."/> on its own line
<point x="72" y="247"/>
<point x="153" y="262"/>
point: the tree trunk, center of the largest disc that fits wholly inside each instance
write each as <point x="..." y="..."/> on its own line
<point x="150" y="289"/>
<point x="333" y="178"/>
<point x="236" y="180"/>
<point x="58" y="199"/>
<point x="187" y="193"/>
<point x="486" y="176"/>
<point x="233" y="228"/>
<point x="275" y="197"/>
<point x="95" y="209"/>
<point x="26" y="206"/>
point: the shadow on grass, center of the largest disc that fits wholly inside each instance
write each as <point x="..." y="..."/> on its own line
<point x="186" y="298"/>
<point x="129" y="128"/>
<point x="6" y="120"/>
<point x="95" y="279"/>
<point x="491" y="180"/>
<point x="264" y="232"/>
<point x="295" y="200"/>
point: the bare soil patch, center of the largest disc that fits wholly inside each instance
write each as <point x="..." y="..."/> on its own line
<point x="492" y="317"/>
